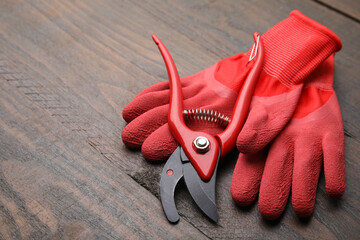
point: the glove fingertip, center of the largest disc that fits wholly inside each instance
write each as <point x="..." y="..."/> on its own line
<point x="154" y="154"/>
<point x="303" y="210"/>
<point x="336" y="191"/>
<point x="242" y="197"/>
<point x="334" y="162"/>
<point x="246" y="178"/>
<point x="159" y="145"/>
<point x="145" y="103"/>
<point x="127" y="113"/>
<point x="269" y="213"/>
<point x="271" y="207"/>
<point x="129" y="140"/>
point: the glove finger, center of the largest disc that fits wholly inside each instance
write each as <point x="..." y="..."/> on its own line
<point x="276" y="179"/>
<point x="144" y="103"/>
<point x="307" y="166"/>
<point x="267" y="117"/>
<point x="334" y="163"/>
<point x="135" y="133"/>
<point x="159" y="145"/>
<point x="185" y="81"/>
<point x="154" y="88"/>
<point x="153" y="99"/>
<point x="246" y="178"/>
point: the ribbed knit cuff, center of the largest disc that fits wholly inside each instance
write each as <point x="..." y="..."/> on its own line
<point x="296" y="46"/>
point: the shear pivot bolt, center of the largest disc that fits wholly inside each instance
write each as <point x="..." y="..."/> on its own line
<point x="201" y="144"/>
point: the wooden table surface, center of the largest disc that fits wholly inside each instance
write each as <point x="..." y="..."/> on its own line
<point x="68" y="68"/>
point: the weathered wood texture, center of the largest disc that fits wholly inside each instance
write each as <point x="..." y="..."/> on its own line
<point x="53" y="185"/>
<point x="349" y="8"/>
<point x="67" y="69"/>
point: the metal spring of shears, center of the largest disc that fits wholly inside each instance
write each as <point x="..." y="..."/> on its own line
<point x="207" y="115"/>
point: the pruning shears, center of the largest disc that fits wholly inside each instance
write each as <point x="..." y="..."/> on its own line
<point x="196" y="159"/>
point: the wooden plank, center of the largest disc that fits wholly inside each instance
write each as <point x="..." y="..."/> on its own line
<point x="53" y="186"/>
<point x="350" y="8"/>
<point x="77" y="64"/>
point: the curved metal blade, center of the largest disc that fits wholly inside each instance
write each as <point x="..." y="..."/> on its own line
<point x="203" y="193"/>
<point x="170" y="176"/>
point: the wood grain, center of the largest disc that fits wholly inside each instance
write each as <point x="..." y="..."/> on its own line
<point x="55" y="186"/>
<point x="67" y="69"/>
<point x="347" y="7"/>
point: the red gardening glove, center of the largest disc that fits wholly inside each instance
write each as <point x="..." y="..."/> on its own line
<point x="314" y="136"/>
<point x="293" y="49"/>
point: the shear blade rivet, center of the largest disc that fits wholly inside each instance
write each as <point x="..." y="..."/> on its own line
<point x="170" y="172"/>
<point x="201" y="144"/>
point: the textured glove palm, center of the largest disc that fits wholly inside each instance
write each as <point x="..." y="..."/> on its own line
<point x="313" y="137"/>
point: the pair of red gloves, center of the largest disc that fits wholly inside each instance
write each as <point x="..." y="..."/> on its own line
<point x="294" y="125"/>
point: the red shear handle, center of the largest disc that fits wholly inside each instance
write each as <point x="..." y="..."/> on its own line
<point x="204" y="163"/>
<point x="176" y="98"/>
<point x="227" y="138"/>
